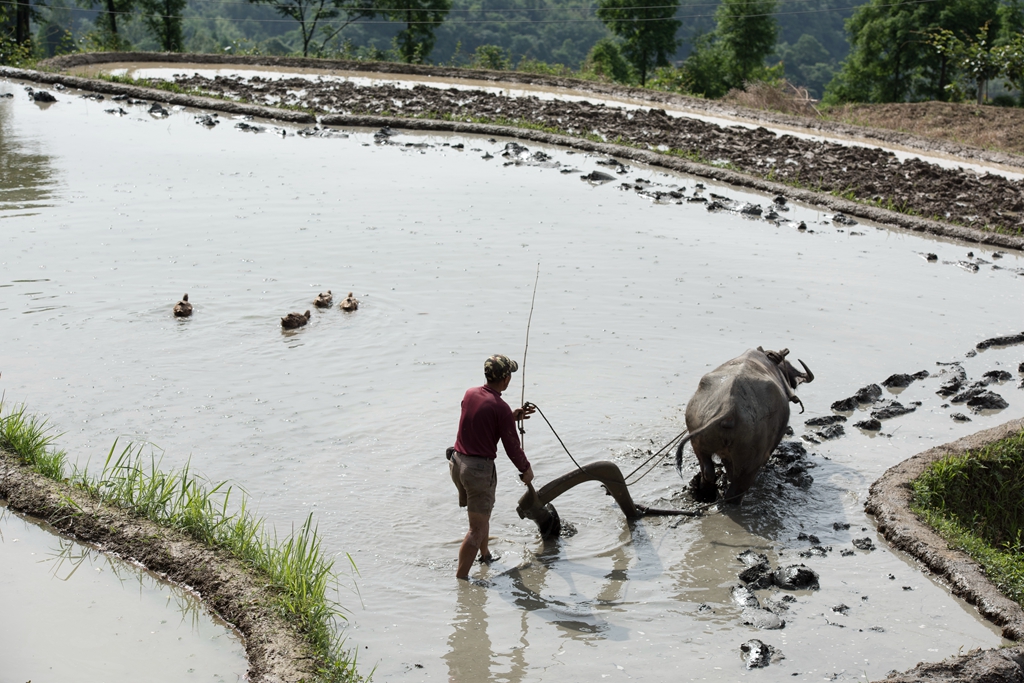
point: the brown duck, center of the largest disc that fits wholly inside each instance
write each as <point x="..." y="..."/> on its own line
<point x="350" y="303"/>
<point x="183" y="308"/>
<point x="324" y="299"/>
<point x="293" y="320"/>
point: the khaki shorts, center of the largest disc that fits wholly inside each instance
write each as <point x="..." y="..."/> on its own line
<point x="476" y="479"/>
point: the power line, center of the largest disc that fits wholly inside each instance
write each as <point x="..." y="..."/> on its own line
<point x="505" y="20"/>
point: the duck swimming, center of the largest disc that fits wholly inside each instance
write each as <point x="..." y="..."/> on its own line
<point x="350" y="303"/>
<point x="324" y="299"/>
<point x="183" y="308"/>
<point x="293" y="320"/>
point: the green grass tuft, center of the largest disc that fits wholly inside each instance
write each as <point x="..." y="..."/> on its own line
<point x="976" y="502"/>
<point x="297" y="567"/>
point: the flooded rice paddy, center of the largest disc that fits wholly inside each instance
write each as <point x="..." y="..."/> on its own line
<point x="74" y="614"/>
<point x="168" y="72"/>
<point x="106" y="219"/>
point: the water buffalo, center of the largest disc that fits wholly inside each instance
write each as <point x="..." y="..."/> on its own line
<point x="740" y="411"/>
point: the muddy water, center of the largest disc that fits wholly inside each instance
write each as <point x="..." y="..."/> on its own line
<point x="348" y="417"/>
<point x="72" y="613"/>
<point x="167" y="72"/>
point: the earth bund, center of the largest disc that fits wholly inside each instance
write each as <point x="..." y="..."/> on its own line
<point x="889" y="502"/>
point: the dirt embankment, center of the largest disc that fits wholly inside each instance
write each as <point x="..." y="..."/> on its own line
<point x="889" y="502"/>
<point x="276" y="653"/>
<point x="994" y="128"/>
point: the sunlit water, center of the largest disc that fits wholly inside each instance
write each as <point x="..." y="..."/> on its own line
<point x="348" y="418"/>
<point x="74" y="614"/>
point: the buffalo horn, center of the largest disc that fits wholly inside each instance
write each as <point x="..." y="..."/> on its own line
<point x="808" y="375"/>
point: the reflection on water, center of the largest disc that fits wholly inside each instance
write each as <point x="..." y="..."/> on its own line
<point x="112" y="619"/>
<point x="26" y="174"/>
<point x="349" y="416"/>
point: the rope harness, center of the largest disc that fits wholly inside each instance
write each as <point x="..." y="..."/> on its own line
<point x="697" y="512"/>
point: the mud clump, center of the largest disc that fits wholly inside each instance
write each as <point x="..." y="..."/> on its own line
<point x="871" y="425"/>
<point x="899" y="381"/>
<point x="796" y="577"/>
<point x="1009" y="340"/>
<point x="757" y="655"/>
<point x="894" y="409"/>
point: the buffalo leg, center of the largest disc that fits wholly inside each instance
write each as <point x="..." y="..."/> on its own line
<point x="706" y="489"/>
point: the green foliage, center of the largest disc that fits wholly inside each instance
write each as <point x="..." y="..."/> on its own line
<point x="30" y="439"/>
<point x="106" y="35"/>
<point x="981" y="490"/>
<point x="648" y="32"/>
<point x="605" y="61"/>
<point x="491" y="57"/>
<point x="535" y="66"/>
<point x="163" y="19"/>
<point x="976" y="502"/>
<point x="892" y="58"/>
<point x="324" y="17"/>
<point x="297" y="567"/>
<point x="974" y="60"/>
<point x="421" y="18"/>
<point x="705" y="72"/>
<point x="807" y="63"/>
<point x="747" y="31"/>
<point x="550" y="31"/>
<point x="735" y="51"/>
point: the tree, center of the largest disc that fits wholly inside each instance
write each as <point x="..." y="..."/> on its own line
<point x="747" y="31"/>
<point x="163" y="19"/>
<point x="976" y="59"/>
<point x="807" y="63"/>
<point x="704" y="71"/>
<point x="735" y="51"/>
<point x="106" y="35"/>
<point x="318" y="15"/>
<point x="891" y="58"/>
<point x="605" y="60"/>
<point x="421" y="19"/>
<point x="647" y="30"/>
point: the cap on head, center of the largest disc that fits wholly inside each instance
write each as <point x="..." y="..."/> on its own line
<point x="498" y="367"/>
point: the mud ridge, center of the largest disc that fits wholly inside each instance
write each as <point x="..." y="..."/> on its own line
<point x="985" y="200"/>
<point x="611" y="89"/>
<point x="276" y="653"/>
<point x="889" y="502"/>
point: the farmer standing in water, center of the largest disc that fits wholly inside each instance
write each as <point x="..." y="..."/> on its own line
<point x="485" y="419"/>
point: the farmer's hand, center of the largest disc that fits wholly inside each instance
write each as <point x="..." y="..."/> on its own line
<point x="527" y="476"/>
<point x="524" y="413"/>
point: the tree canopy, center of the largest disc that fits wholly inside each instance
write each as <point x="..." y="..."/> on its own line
<point x="648" y="32"/>
<point x="892" y="58"/>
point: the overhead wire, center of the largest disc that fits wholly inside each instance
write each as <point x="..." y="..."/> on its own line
<point x="439" y="22"/>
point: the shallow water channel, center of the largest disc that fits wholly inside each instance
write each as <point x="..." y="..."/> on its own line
<point x="105" y="220"/>
<point x="72" y="613"/>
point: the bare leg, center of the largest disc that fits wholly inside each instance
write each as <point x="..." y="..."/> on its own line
<point x="475" y="540"/>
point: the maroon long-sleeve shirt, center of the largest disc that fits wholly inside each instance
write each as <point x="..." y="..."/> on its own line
<point x="485" y="420"/>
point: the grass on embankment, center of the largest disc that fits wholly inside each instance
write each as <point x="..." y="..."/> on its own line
<point x="296" y="566"/>
<point x="976" y="502"/>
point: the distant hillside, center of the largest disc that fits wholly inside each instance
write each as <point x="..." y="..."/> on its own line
<point x="811" y="37"/>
